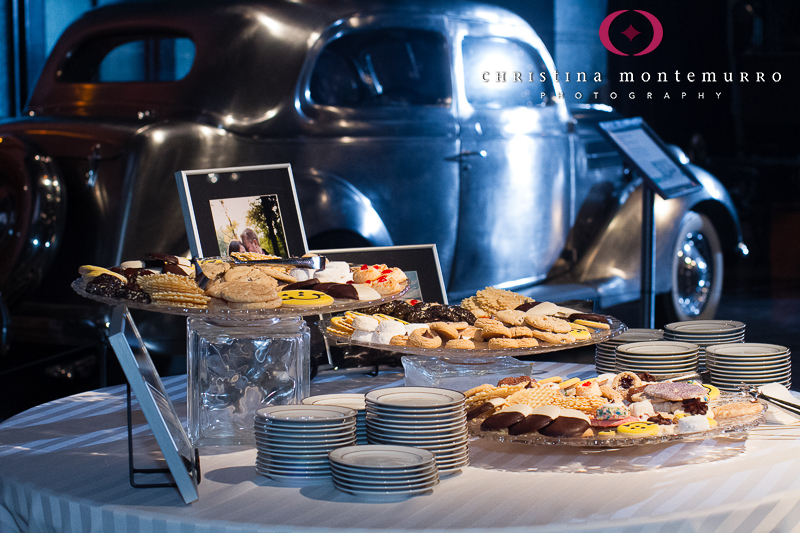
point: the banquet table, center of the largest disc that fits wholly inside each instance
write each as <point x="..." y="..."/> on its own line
<point x="64" y="467"/>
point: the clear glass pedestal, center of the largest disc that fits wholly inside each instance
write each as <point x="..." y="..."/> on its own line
<point x="238" y="367"/>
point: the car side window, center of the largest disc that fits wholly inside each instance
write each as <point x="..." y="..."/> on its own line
<point x="129" y="58"/>
<point x="491" y="55"/>
<point x="386" y="67"/>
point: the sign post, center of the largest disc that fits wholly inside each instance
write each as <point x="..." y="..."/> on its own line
<point x="662" y="173"/>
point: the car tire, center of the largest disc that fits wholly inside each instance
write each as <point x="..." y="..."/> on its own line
<point x="696" y="273"/>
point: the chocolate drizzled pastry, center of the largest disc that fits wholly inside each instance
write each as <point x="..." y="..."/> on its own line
<point x="695" y="406"/>
<point x="660" y="420"/>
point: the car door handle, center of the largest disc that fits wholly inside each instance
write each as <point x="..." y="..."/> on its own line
<point x="466" y="153"/>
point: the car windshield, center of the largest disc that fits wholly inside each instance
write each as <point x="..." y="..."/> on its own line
<point x="383" y="67"/>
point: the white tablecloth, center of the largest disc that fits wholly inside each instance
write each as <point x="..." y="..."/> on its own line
<point x="63" y="467"/>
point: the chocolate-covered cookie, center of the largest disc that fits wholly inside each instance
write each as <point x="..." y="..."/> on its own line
<point x="300" y="285"/>
<point x="507" y="417"/>
<point x="502" y="420"/>
<point x="592" y="317"/>
<point x="526" y="306"/>
<point x="529" y="424"/>
<point x="341" y="290"/>
<point x="570" y="423"/>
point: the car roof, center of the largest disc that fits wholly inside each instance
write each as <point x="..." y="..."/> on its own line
<point x="248" y="54"/>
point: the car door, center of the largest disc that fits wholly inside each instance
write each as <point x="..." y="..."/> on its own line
<point x="514" y="204"/>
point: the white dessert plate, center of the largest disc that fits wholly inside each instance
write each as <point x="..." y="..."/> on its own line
<point x="383" y="457"/>
<point x="352" y="401"/>
<point x="415" y="397"/>
<point x="304" y="413"/>
<point x="660" y="348"/>
<point x="747" y="349"/>
<point x="705" y="326"/>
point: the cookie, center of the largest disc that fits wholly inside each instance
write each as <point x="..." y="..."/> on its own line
<point x="625" y="381"/>
<point x="587" y="404"/>
<point x="252" y="256"/>
<point x="500" y="343"/>
<point x="492" y="300"/>
<point x="511" y="317"/>
<point x="548" y="323"/>
<point x="342" y="323"/>
<point x="365" y="273"/>
<point x="486" y="392"/>
<point x="536" y="395"/>
<point x="444" y="330"/>
<point x="638" y="429"/>
<point x="168" y="283"/>
<point x="675" y="392"/>
<point x="482" y="322"/>
<point x="460" y="344"/>
<point x="471" y="305"/>
<point x="553" y="338"/>
<point x="248" y="291"/>
<point x="423" y="338"/>
<point x="278" y="274"/>
<point x="399" y="340"/>
<point x="215" y="269"/>
<point x="180" y="299"/>
<point x="518" y="332"/>
<point x="248" y="273"/>
<point x="491" y="331"/>
<point x="527" y="342"/>
<point x="305" y="298"/>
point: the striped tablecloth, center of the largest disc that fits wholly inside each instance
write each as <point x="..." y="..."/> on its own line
<point x="63" y="467"/>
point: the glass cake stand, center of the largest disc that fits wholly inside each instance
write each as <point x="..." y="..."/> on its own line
<point x="239" y="361"/>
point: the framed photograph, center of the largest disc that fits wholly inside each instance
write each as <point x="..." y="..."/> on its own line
<point x="158" y="409"/>
<point x="419" y="262"/>
<point x="242" y="209"/>
<point x="650" y="157"/>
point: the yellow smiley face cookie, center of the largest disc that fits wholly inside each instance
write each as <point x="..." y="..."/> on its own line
<point x="638" y="429"/>
<point x="713" y="392"/>
<point x="305" y="298"/>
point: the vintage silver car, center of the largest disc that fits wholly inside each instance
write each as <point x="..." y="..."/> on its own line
<point x="393" y="136"/>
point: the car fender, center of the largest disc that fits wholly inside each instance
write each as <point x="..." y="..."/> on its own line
<point x="329" y="203"/>
<point x="613" y="262"/>
<point x="33" y="199"/>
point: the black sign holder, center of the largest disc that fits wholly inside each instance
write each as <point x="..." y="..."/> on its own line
<point x="663" y="174"/>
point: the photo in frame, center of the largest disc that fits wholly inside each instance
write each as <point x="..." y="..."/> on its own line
<point x="242" y="209"/>
<point x="159" y="411"/>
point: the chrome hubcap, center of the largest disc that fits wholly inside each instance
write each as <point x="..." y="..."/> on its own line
<point x="695" y="273"/>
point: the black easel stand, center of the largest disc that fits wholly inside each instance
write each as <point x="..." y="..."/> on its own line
<point x="193" y="468"/>
<point x="648" y="274"/>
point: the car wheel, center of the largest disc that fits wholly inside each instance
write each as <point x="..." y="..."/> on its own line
<point x="697" y="271"/>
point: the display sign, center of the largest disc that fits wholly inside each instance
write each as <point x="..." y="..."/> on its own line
<point x="419" y="262"/>
<point x="650" y="157"/>
<point x="155" y="403"/>
<point x="242" y="209"/>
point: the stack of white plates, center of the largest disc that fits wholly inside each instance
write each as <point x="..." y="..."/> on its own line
<point x="659" y="358"/>
<point x="731" y="365"/>
<point x="353" y="401"/>
<point x="293" y="441"/>
<point x="705" y="333"/>
<point x="605" y="356"/>
<point x="389" y="471"/>
<point x="423" y="417"/>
